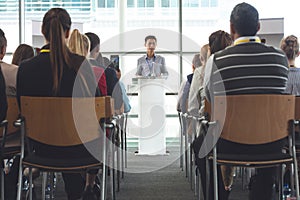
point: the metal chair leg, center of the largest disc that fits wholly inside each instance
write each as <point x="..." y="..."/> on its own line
<point x="2" y="182"/>
<point x="125" y="137"/>
<point x="181" y="141"/>
<point x="30" y="183"/>
<point x="112" y="168"/>
<point x="215" y="172"/>
<point x="191" y="166"/>
<point x="122" y="144"/>
<point x="104" y="172"/>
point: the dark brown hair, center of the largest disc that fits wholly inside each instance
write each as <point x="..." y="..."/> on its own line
<point x="219" y="40"/>
<point x="3" y="41"/>
<point x="56" y="23"/>
<point x="290" y="46"/>
<point x="23" y="52"/>
<point x="150" y="37"/>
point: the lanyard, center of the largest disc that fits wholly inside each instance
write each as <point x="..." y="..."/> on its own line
<point x="246" y="40"/>
<point x="45" y="51"/>
<point x="150" y="65"/>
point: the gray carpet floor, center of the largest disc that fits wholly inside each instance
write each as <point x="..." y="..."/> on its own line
<point x="152" y="178"/>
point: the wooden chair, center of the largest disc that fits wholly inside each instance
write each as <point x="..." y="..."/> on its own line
<point x="61" y="123"/>
<point x="254" y="119"/>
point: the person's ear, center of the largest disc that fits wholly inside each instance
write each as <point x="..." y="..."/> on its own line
<point x="232" y="29"/>
<point x="258" y="26"/>
<point x="3" y="50"/>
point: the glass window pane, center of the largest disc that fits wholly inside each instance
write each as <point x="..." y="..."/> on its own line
<point x="194" y="3"/>
<point x="174" y="3"/>
<point x="101" y="3"/>
<point x="141" y="3"/>
<point x="110" y="3"/>
<point x="204" y="3"/>
<point x="213" y="3"/>
<point x="10" y="26"/>
<point x="165" y="3"/>
<point x="130" y="3"/>
<point x="150" y="3"/>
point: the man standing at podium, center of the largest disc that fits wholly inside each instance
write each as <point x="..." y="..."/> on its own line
<point x="151" y="64"/>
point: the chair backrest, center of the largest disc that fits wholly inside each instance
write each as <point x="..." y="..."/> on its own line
<point x="254" y="119"/>
<point x="12" y="115"/>
<point x="63" y="121"/>
<point x="109" y="102"/>
<point x="207" y="107"/>
<point x="297" y="108"/>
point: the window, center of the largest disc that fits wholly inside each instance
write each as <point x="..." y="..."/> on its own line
<point x="106" y="3"/>
<point x="169" y="3"/>
<point x="191" y="3"/>
<point x="145" y="3"/>
<point x="209" y="3"/>
<point x="130" y="3"/>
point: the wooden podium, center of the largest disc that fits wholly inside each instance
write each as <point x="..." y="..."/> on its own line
<point x="151" y="93"/>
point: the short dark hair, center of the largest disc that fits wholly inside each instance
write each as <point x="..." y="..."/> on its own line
<point x="245" y="19"/>
<point x="94" y="40"/>
<point x="3" y="41"/>
<point x="148" y="37"/>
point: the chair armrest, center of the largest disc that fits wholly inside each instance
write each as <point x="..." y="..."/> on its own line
<point x="4" y="123"/>
<point x="18" y="122"/>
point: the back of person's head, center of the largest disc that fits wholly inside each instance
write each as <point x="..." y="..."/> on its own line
<point x="107" y="63"/>
<point x="290" y="47"/>
<point x="3" y="43"/>
<point x="78" y="43"/>
<point x="23" y="52"/>
<point x="148" y="37"/>
<point x="94" y="41"/>
<point x="204" y="54"/>
<point x="55" y="28"/>
<point x="219" y="40"/>
<point x="245" y="19"/>
<point x="196" y="61"/>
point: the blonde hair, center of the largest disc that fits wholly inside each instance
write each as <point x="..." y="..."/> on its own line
<point x="204" y="54"/>
<point x="78" y="43"/>
<point x="86" y="44"/>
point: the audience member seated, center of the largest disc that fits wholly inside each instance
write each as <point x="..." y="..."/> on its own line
<point x="9" y="71"/>
<point x="127" y="106"/>
<point x="23" y="52"/>
<point x="55" y="70"/>
<point x="290" y="46"/>
<point x="113" y="87"/>
<point x="80" y="44"/>
<point x="197" y="83"/>
<point x="237" y="79"/>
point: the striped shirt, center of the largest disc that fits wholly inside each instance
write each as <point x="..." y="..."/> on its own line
<point x="293" y="83"/>
<point x="247" y="68"/>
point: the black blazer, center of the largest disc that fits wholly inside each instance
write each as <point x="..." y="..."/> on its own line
<point x="34" y="77"/>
